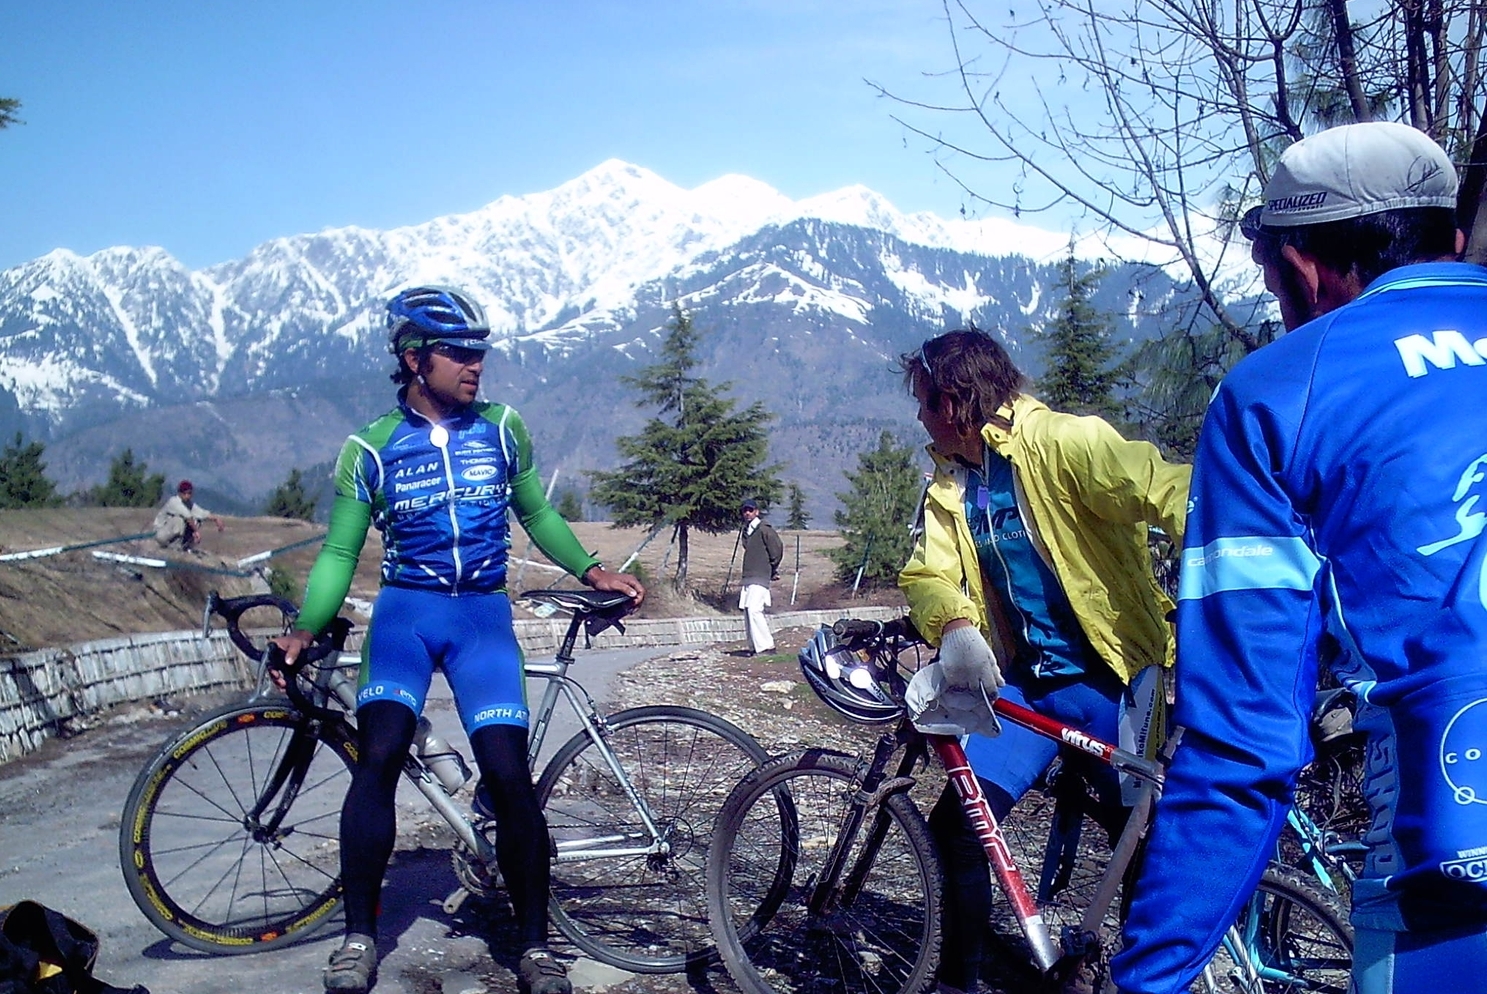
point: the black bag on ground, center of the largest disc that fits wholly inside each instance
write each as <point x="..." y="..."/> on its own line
<point x="44" y="952"/>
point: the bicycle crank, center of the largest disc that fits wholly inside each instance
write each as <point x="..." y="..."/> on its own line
<point x="477" y="878"/>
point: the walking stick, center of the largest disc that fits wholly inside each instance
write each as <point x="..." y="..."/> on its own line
<point x="729" y="578"/>
<point x="795" y="584"/>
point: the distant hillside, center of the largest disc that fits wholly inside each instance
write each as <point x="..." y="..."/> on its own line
<point x="75" y="597"/>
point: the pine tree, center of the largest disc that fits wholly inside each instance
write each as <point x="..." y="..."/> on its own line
<point x="695" y="462"/>
<point x="1079" y="377"/>
<point x="8" y="107"/>
<point x="23" y="481"/>
<point x="289" y="499"/>
<point x="877" y="514"/>
<point x="569" y="505"/>
<point x="798" y="519"/>
<point x="129" y="484"/>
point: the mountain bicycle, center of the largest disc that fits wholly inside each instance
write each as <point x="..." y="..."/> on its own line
<point x="1329" y="817"/>
<point x="823" y="876"/>
<point x="230" y="841"/>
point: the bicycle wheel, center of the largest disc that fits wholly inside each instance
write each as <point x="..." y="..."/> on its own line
<point x="1291" y="936"/>
<point x="202" y="866"/>
<point x="622" y="895"/>
<point x="772" y="840"/>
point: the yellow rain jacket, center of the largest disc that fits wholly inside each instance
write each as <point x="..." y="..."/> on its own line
<point x="1086" y="496"/>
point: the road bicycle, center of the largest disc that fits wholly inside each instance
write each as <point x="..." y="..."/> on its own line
<point x="230" y="844"/>
<point x="823" y="876"/>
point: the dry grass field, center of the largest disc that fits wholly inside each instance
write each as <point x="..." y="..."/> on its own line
<point x="75" y="596"/>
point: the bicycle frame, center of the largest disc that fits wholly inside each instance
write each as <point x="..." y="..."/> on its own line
<point x="338" y="685"/>
<point x="1251" y="957"/>
<point x="1240" y="940"/>
<point x="1323" y="850"/>
<point x="1048" y="949"/>
<point x="560" y="684"/>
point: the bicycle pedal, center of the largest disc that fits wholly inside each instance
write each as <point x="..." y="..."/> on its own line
<point x="455" y="900"/>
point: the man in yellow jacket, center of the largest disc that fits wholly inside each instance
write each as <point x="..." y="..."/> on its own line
<point x="1031" y="569"/>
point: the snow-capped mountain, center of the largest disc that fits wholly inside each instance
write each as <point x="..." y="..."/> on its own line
<point x="805" y="305"/>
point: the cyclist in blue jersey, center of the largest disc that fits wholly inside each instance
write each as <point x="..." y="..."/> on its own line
<point x="1032" y="564"/>
<point x="1338" y="493"/>
<point x="437" y="476"/>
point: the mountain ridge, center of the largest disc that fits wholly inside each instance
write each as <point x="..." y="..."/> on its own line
<point x="806" y="305"/>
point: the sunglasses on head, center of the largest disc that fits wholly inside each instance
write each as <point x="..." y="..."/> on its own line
<point x="924" y="361"/>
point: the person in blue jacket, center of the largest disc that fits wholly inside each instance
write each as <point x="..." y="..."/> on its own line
<point x="1338" y="489"/>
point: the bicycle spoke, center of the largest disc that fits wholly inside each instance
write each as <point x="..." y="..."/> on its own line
<point x="221" y="882"/>
<point x="644" y="912"/>
<point x="774" y="839"/>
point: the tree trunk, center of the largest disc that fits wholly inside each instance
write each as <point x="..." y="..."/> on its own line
<point x="1342" y="32"/>
<point x="680" y="583"/>
<point x="1471" y="205"/>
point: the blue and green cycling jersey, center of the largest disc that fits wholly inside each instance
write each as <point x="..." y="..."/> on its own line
<point x="440" y="495"/>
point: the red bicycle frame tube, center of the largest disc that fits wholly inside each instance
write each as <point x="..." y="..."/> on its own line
<point x="984" y="823"/>
<point x="1115" y="756"/>
<point x="1046" y="951"/>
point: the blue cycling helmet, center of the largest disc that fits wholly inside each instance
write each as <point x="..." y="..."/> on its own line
<point x="425" y="315"/>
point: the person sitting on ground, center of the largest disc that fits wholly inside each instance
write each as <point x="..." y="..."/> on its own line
<point x="179" y="521"/>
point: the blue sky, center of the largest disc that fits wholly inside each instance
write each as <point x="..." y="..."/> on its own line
<point x="207" y="128"/>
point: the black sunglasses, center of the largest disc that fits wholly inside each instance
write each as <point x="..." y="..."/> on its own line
<point x="1249" y="224"/>
<point x="459" y="354"/>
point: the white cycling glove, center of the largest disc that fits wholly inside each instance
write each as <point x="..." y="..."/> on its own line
<point x="953" y="696"/>
<point x="969" y="663"/>
<point x="936" y="710"/>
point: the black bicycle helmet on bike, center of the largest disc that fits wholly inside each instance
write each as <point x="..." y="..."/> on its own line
<point x="845" y="682"/>
<point x="426" y="315"/>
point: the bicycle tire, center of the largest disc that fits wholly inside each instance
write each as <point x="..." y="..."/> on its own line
<point x="645" y="914"/>
<point x="766" y="858"/>
<point x="1295" y="937"/>
<point x="192" y="863"/>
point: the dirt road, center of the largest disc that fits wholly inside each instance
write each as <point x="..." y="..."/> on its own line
<point x="59" y="822"/>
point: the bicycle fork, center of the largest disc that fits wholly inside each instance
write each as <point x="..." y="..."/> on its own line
<point x="829" y="892"/>
<point x="283" y="785"/>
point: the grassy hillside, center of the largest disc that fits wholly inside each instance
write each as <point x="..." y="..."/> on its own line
<point x="76" y="597"/>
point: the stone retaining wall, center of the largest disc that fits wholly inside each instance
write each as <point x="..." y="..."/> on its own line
<point x="41" y="691"/>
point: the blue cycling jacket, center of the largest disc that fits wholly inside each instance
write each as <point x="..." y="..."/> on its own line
<point x="1339" y="488"/>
